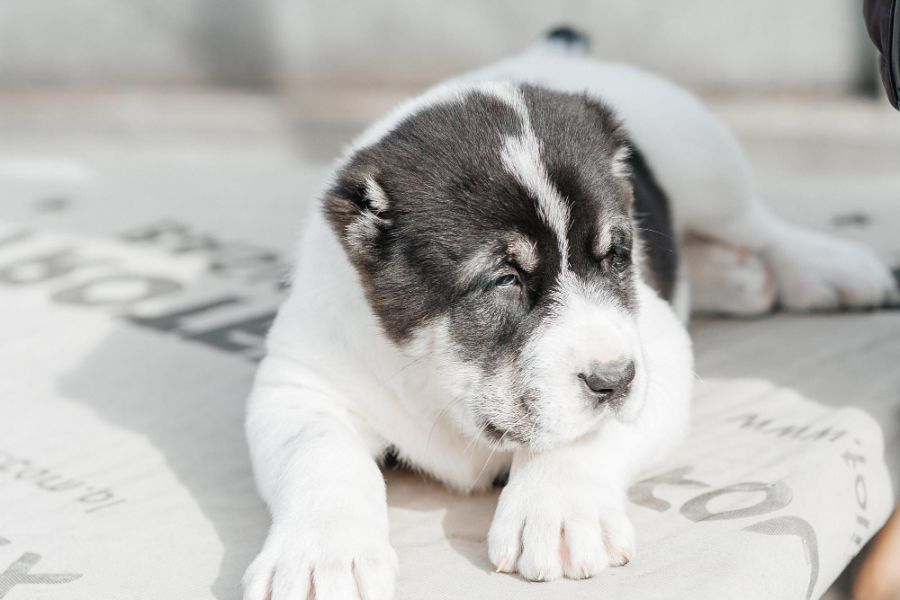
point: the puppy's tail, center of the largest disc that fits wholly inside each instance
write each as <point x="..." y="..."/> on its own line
<point x="564" y="40"/>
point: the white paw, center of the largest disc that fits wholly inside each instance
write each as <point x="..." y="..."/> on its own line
<point x="815" y="271"/>
<point x="727" y="280"/>
<point x="544" y="533"/>
<point x="346" y="561"/>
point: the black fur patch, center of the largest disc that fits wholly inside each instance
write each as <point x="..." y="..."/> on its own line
<point x="568" y="36"/>
<point x="438" y="248"/>
<point x="654" y="222"/>
<point x="442" y="173"/>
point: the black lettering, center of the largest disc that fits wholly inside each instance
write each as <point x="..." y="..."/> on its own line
<point x="61" y="486"/>
<point x="803" y="530"/>
<point x="641" y="493"/>
<point x="174" y="236"/>
<point x="777" y="496"/>
<point x="18" y="573"/>
<point x="173" y="320"/>
<point x="862" y="493"/>
<point x="751" y="421"/>
<point x="37" y="269"/>
<point x="117" y="290"/>
<point x="241" y="336"/>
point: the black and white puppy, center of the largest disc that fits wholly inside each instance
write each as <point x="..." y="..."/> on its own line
<point x="491" y="287"/>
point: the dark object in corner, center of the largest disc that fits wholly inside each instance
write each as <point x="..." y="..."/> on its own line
<point x="894" y="303"/>
<point x="883" y="22"/>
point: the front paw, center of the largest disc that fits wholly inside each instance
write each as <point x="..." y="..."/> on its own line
<point x="546" y="531"/>
<point x="344" y="561"/>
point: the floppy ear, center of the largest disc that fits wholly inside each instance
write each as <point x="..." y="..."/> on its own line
<point x="620" y="163"/>
<point x="622" y="168"/>
<point x="357" y="208"/>
<point x="615" y="138"/>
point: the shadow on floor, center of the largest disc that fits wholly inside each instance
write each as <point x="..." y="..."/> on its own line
<point x="188" y="401"/>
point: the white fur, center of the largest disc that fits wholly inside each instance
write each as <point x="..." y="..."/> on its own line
<point x="376" y="196"/>
<point x="620" y="166"/>
<point x="522" y="158"/>
<point x="333" y="391"/>
<point x="584" y="328"/>
<point x="726" y="279"/>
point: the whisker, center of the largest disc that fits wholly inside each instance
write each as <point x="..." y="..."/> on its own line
<point x="437" y="419"/>
<point x="659" y="233"/>
<point x="496" y="446"/>
<point x="475" y="438"/>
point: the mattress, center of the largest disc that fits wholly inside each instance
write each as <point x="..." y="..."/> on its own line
<point x="135" y="300"/>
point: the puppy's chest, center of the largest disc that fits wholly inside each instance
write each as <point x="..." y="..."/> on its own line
<point x="438" y="449"/>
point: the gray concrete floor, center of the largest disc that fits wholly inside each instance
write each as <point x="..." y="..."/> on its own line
<point x="250" y="166"/>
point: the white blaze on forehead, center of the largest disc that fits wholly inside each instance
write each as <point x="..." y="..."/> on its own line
<point x="522" y="158"/>
<point x="521" y="155"/>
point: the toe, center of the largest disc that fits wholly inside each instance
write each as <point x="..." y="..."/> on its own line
<point x="289" y="581"/>
<point x="618" y="535"/>
<point x="374" y="579"/>
<point x="540" y="559"/>
<point x="809" y="294"/>
<point x="504" y="543"/>
<point x="333" y="582"/>
<point x="862" y="294"/>
<point x="257" y="580"/>
<point x="583" y="550"/>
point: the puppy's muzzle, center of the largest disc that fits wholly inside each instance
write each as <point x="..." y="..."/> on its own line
<point x="608" y="382"/>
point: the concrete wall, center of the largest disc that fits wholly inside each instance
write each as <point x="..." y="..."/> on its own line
<point x="764" y="44"/>
<point x="103" y="42"/>
<point x="716" y="44"/>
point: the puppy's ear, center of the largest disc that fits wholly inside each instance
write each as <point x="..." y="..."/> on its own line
<point x="358" y="209"/>
<point x="615" y="138"/>
<point x="620" y="165"/>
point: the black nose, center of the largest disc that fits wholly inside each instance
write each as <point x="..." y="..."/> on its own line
<point x="608" y="381"/>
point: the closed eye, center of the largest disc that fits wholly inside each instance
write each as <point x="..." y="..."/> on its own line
<point x="621" y="251"/>
<point x="507" y="280"/>
<point x="618" y="258"/>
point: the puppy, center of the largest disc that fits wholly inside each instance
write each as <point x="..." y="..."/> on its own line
<point x="490" y="287"/>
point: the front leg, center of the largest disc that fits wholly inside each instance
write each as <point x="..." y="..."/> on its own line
<point x="315" y="469"/>
<point x="562" y="513"/>
<point x="563" y="510"/>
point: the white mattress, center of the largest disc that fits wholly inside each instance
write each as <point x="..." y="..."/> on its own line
<point x="123" y="470"/>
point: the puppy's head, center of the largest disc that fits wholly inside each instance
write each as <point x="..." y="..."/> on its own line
<point x="493" y="234"/>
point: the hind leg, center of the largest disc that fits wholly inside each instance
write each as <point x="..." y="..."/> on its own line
<point x="811" y="270"/>
<point x="817" y="271"/>
<point x="727" y="280"/>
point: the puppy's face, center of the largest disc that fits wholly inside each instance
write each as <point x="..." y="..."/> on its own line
<point x="493" y="235"/>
